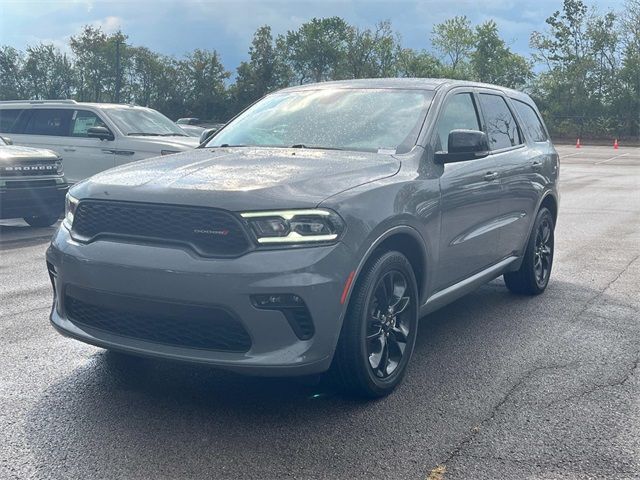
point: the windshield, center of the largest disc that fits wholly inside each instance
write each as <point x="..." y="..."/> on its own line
<point x="144" y="121"/>
<point x="347" y="119"/>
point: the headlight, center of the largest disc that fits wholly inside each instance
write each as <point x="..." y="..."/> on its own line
<point x="59" y="167"/>
<point x="295" y="226"/>
<point x="70" y="205"/>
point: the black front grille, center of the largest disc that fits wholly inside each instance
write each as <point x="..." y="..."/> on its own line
<point x="210" y="232"/>
<point x="178" y="325"/>
<point x="30" y="183"/>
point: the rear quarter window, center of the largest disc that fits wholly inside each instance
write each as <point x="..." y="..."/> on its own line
<point x="502" y="128"/>
<point x="49" y="121"/>
<point x="531" y="120"/>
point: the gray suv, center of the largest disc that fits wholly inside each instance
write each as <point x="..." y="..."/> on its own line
<point x="313" y="230"/>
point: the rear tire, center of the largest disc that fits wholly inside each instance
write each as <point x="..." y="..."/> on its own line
<point x="379" y="331"/>
<point x="43" y="220"/>
<point x="533" y="276"/>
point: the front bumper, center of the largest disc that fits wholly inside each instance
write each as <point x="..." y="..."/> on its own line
<point x="171" y="274"/>
<point x="31" y="199"/>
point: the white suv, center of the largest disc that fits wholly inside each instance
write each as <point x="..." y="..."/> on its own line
<point x="92" y="137"/>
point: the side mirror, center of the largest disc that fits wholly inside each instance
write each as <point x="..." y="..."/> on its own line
<point x="206" y="135"/>
<point x="103" y="133"/>
<point x="7" y="140"/>
<point x="464" y="145"/>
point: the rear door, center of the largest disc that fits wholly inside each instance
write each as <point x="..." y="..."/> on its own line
<point x="470" y="197"/>
<point x="514" y="163"/>
<point x="43" y="128"/>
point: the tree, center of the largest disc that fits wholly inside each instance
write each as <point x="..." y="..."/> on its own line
<point x="371" y="53"/>
<point x="580" y="82"/>
<point x="202" y="76"/>
<point x="265" y="71"/>
<point x="627" y="101"/>
<point x="493" y="62"/>
<point x="422" y="64"/>
<point x="47" y="73"/>
<point x="454" y="39"/>
<point x="317" y="50"/>
<point x="95" y="61"/>
<point x="11" y="74"/>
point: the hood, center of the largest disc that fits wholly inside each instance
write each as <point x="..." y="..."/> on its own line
<point x="14" y="153"/>
<point x="240" y="178"/>
<point x="179" y="143"/>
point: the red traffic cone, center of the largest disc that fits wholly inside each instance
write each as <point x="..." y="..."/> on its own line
<point x="578" y="143"/>
<point x="615" y="144"/>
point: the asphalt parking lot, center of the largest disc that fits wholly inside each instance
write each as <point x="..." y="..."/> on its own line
<point x="500" y="386"/>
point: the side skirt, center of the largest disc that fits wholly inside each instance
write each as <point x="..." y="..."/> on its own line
<point x="449" y="294"/>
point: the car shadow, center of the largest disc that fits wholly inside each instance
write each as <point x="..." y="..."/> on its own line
<point x="17" y="234"/>
<point x="132" y="417"/>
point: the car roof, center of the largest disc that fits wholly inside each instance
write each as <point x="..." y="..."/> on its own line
<point x="404" y="83"/>
<point x="63" y="104"/>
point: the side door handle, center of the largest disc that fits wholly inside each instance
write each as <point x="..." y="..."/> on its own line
<point x="490" y="176"/>
<point x="69" y="149"/>
<point x="126" y="153"/>
<point x="536" y="165"/>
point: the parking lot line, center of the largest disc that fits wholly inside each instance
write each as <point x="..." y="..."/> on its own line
<point x="612" y="158"/>
<point x="570" y="155"/>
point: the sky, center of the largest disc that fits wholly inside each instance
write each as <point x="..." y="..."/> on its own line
<point x="176" y="27"/>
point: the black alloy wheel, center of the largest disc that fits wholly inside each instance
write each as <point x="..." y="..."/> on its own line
<point x="389" y="323"/>
<point x="533" y="275"/>
<point x="379" y="330"/>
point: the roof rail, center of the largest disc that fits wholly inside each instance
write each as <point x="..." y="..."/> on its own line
<point x="38" y="101"/>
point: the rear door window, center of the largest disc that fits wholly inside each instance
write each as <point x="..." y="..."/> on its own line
<point x="49" y="121"/>
<point x="82" y="121"/>
<point x="502" y="128"/>
<point x="459" y="114"/>
<point x="531" y="119"/>
<point x="8" y="119"/>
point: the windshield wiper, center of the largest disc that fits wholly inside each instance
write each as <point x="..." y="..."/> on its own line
<point x="302" y="145"/>
<point x="173" y="134"/>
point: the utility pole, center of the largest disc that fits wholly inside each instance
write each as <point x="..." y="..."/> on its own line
<point x="117" y="93"/>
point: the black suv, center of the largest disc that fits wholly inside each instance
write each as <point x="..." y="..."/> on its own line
<point x="313" y="230"/>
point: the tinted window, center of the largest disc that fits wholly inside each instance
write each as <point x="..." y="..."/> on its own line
<point x="531" y="119"/>
<point x="342" y="118"/>
<point x="502" y="128"/>
<point x="49" y="121"/>
<point x="459" y="114"/>
<point x="8" y="119"/>
<point x="82" y="121"/>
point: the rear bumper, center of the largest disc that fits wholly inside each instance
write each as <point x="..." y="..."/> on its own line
<point x="170" y="274"/>
<point x="18" y="202"/>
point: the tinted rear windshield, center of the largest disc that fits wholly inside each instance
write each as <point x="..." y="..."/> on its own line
<point x="386" y="120"/>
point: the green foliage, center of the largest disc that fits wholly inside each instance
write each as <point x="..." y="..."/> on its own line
<point x="493" y="62"/>
<point x="587" y="64"/>
<point x="455" y="40"/>
<point x="265" y="71"/>
<point x="585" y="89"/>
<point x="317" y="50"/>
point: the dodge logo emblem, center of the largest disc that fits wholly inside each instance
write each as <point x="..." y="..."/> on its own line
<point x="203" y="231"/>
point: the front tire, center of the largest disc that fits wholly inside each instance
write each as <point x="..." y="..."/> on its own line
<point x="42" y="220"/>
<point x="379" y="331"/>
<point x="533" y="276"/>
